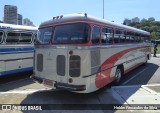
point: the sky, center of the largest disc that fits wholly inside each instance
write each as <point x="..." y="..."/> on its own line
<point x="39" y="11"/>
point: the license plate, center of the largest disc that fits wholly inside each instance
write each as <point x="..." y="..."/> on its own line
<point x="48" y="82"/>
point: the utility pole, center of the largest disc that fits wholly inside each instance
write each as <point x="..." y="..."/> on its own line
<point x="103" y="9"/>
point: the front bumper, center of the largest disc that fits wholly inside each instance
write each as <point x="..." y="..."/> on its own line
<point x="63" y="86"/>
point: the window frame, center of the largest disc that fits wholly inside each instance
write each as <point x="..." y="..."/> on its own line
<point x="1" y="41"/>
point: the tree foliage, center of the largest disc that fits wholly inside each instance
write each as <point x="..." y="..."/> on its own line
<point x="149" y="25"/>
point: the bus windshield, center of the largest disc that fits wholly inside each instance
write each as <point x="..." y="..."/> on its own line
<point x="71" y="34"/>
<point x="44" y="35"/>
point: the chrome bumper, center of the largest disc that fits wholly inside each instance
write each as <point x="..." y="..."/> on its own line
<point x="63" y="86"/>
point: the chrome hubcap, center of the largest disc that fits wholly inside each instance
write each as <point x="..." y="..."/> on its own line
<point x="118" y="75"/>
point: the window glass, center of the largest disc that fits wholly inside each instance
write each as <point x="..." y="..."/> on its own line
<point x="107" y="34"/>
<point x="132" y="37"/>
<point x="119" y="36"/>
<point x="12" y="37"/>
<point x="25" y="37"/>
<point x="137" y="38"/>
<point x="78" y="33"/>
<point x="147" y="38"/>
<point x="142" y="38"/>
<point x="1" y="36"/>
<point x="122" y="36"/>
<point x="44" y="35"/>
<point x="95" y="35"/>
<point x="128" y="37"/>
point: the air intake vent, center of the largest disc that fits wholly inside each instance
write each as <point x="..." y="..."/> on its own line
<point x="40" y="62"/>
<point x="95" y="58"/>
<point x="74" y="66"/>
<point x="61" y="62"/>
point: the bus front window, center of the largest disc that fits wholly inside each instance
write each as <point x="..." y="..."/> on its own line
<point x="71" y="34"/>
<point x="44" y="35"/>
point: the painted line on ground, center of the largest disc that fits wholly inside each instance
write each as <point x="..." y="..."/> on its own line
<point x="25" y="91"/>
<point x="134" y="76"/>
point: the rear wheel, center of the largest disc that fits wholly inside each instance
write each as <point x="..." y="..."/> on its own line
<point x="118" y="76"/>
<point x="147" y="58"/>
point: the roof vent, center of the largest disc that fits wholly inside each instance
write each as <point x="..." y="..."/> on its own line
<point x="57" y="17"/>
<point x="85" y="14"/>
<point x="54" y="18"/>
<point x="61" y="16"/>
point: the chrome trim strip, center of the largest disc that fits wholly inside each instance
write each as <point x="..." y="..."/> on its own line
<point x="90" y="47"/>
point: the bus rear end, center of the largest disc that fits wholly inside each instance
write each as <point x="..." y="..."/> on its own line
<point x="62" y="57"/>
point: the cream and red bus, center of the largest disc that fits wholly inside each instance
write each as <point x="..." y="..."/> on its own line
<point x="82" y="53"/>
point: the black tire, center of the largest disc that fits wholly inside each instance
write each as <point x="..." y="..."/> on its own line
<point x="118" y="76"/>
<point x="146" y="61"/>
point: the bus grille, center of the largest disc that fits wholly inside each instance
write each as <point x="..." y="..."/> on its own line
<point x="74" y="66"/>
<point x="40" y="62"/>
<point x="95" y="61"/>
<point x="95" y="58"/>
<point x="61" y="63"/>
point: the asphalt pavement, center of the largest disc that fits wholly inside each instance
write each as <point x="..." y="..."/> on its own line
<point x="139" y="92"/>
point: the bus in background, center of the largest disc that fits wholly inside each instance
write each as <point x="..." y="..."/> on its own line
<point x="16" y="48"/>
<point x="82" y="53"/>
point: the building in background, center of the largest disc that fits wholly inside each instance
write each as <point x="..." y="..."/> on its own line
<point x="151" y="19"/>
<point x="126" y="21"/>
<point x="27" y="22"/>
<point x="20" y="19"/>
<point x="10" y="14"/>
<point x="1" y="21"/>
<point x="135" y="20"/>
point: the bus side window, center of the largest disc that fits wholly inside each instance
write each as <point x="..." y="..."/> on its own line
<point x="137" y="38"/>
<point x="128" y="37"/>
<point x="119" y="36"/>
<point x="142" y="38"/>
<point x="25" y="37"/>
<point x="1" y="36"/>
<point x="13" y="37"/>
<point x="95" y="35"/>
<point x="107" y="34"/>
<point x="122" y="36"/>
<point x="132" y="37"/>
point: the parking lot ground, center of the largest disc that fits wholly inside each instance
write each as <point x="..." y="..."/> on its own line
<point x="135" y="95"/>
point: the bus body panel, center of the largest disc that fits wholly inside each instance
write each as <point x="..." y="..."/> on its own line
<point x="16" y="58"/>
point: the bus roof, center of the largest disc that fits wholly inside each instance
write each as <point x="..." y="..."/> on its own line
<point x="80" y="16"/>
<point x="20" y="27"/>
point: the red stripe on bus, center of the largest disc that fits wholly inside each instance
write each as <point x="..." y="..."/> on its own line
<point x="104" y="78"/>
<point x="130" y="69"/>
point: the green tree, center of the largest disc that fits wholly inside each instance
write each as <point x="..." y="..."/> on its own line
<point x="149" y="25"/>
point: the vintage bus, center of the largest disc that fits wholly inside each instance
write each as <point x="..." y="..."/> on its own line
<point x="82" y="53"/>
<point x="16" y="48"/>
